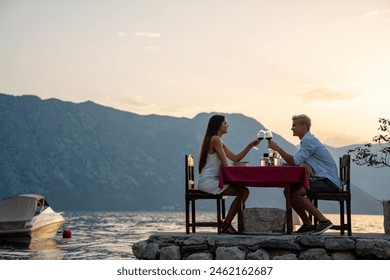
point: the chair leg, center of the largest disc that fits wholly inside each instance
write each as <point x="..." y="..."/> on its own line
<point x="223" y="209"/>
<point x="342" y="221"/>
<point x="187" y="216"/>
<point x="345" y="209"/>
<point x="349" y="220"/>
<point x="193" y="215"/>
<point x="219" y="220"/>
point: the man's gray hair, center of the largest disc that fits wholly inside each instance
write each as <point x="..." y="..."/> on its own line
<point x="303" y="119"/>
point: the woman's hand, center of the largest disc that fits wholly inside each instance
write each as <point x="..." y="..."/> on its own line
<point x="254" y="143"/>
<point x="237" y="157"/>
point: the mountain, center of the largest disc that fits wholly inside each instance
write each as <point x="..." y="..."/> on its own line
<point x="375" y="181"/>
<point x="90" y="157"/>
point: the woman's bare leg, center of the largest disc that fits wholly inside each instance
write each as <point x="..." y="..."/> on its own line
<point x="233" y="190"/>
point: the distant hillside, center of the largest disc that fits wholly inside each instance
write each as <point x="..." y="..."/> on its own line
<point x="375" y="181"/>
<point x="90" y="157"/>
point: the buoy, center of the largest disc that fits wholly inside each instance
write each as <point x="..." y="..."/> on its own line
<point x="67" y="233"/>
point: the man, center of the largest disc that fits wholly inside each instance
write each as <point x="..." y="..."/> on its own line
<point x="322" y="171"/>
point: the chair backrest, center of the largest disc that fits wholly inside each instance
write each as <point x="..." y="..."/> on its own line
<point x="190" y="176"/>
<point x="345" y="173"/>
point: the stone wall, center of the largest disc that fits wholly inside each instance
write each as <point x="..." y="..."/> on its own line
<point x="256" y="220"/>
<point x="201" y="246"/>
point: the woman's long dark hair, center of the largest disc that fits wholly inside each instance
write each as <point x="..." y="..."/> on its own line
<point x="212" y="129"/>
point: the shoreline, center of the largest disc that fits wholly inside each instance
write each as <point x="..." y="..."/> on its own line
<point x="213" y="246"/>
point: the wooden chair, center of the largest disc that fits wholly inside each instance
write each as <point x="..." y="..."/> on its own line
<point x="193" y="194"/>
<point x="343" y="196"/>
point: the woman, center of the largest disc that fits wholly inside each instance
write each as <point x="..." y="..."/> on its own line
<point x="213" y="155"/>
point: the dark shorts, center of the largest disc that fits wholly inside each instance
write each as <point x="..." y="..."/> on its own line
<point x="318" y="185"/>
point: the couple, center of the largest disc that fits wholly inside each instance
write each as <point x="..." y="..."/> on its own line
<point x="312" y="154"/>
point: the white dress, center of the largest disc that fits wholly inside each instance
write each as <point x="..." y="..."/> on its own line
<point x="209" y="177"/>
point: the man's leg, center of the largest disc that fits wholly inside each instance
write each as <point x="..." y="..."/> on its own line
<point x="299" y="197"/>
<point x="299" y="210"/>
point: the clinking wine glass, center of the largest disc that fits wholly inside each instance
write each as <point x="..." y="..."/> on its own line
<point x="268" y="135"/>
<point x="260" y="136"/>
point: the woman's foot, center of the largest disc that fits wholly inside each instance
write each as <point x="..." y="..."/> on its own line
<point x="228" y="228"/>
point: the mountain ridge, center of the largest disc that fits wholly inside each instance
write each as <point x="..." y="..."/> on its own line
<point x="85" y="156"/>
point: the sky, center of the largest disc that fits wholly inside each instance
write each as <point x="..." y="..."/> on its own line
<point x="266" y="59"/>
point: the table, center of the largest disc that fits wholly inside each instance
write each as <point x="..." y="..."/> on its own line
<point x="265" y="176"/>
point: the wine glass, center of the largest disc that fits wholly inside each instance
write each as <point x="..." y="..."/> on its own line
<point x="268" y="135"/>
<point x="260" y="136"/>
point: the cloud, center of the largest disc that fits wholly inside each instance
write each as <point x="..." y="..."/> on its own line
<point x="148" y="34"/>
<point x="170" y="83"/>
<point x="339" y="140"/>
<point x="376" y="13"/>
<point x="125" y="102"/>
<point x="152" y="48"/>
<point x="134" y="102"/>
<point x="328" y="93"/>
<point x="129" y="101"/>
<point x="126" y="46"/>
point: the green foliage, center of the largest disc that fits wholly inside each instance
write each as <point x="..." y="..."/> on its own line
<point x="379" y="158"/>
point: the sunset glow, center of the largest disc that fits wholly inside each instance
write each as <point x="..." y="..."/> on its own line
<point x="265" y="59"/>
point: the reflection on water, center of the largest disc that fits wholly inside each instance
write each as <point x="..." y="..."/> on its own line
<point x="42" y="250"/>
<point x="46" y="250"/>
<point x="110" y="235"/>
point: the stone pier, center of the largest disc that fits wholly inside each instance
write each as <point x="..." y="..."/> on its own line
<point x="212" y="246"/>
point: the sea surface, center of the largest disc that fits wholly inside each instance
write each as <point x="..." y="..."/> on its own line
<point x="110" y="235"/>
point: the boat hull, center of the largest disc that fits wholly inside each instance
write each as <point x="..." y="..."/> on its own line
<point x="35" y="233"/>
<point x="40" y="228"/>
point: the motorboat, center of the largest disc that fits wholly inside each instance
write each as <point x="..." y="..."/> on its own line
<point x="28" y="218"/>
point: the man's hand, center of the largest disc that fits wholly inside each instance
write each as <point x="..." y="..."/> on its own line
<point x="309" y="170"/>
<point x="274" y="146"/>
<point x="286" y="156"/>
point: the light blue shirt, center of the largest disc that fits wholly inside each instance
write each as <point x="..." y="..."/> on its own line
<point x="314" y="153"/>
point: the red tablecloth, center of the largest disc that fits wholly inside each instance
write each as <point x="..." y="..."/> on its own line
<point x="263" y="175"/>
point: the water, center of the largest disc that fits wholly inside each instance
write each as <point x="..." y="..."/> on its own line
<point x="110" y="235"/>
